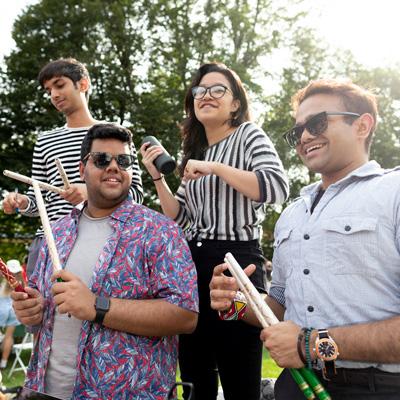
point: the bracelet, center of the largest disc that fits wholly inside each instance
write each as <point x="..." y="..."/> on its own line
<point x="237" y="309"/>
<point x="158" y="179"/>
<point x="300" y="345"/>
<point x="307" y="344"/>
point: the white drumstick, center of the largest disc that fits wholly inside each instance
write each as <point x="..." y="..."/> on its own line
<point x="263" y="313"/>
<point x="63" y="174"/>
<point x="29" y="181"/>
<point x="46" y="227"/>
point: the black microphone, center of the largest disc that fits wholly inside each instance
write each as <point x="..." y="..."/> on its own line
<point x="164" y="162"/>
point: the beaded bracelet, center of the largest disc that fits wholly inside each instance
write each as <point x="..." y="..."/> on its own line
<point x="307" y="344"/>
<point x="300" y="345"/>
<point x="237" y="309"/>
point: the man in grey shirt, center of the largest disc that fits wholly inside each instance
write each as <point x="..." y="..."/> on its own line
<point x="336" y="265"/>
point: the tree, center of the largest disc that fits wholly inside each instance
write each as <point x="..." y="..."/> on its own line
<point x="385" y="82"/>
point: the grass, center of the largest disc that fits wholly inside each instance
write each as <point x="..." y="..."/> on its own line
<point x="269" y="367"/>
<point x="17" y="378"/>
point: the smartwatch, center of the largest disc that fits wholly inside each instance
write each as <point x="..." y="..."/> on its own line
<point x="327" y="351"/>
<point x="102" y="305"/>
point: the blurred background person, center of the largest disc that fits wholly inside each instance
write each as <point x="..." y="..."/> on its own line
<point x="8" y="320"/>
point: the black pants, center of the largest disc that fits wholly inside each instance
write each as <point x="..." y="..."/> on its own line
<point x="230" y="349"/>
<point x="287" y="389"/>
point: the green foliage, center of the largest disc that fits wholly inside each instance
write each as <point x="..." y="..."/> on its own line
<point x="269" y="367"/>
<point x="385" y="82"/>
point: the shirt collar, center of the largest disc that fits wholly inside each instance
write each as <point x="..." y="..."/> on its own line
<point x="120" y="214"/>
<point x="369" y="169"/>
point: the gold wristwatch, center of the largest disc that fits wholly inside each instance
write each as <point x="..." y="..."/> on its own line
<point x="327" y="351"/>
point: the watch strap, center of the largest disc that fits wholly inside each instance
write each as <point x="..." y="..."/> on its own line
<point x="329" y="369"/>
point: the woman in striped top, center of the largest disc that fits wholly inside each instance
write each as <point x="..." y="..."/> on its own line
<point x="230" y="171"/>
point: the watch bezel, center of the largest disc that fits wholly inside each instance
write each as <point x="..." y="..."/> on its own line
<point x="333" y="346"/>
<point x="102" y="306"/>
<point x="102" y="303"/>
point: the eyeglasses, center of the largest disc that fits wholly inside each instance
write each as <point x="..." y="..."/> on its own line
<point x="102" y="160"/>
<point x="316" y="125"/>
<point x="216" y="91"/>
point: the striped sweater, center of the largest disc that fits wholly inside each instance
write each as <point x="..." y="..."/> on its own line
<point x="211" y="209"/>
<point x="64" y="143"/>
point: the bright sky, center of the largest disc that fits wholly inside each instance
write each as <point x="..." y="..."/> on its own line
<point x="9" y="10"/>
<point x="369" y="28"/>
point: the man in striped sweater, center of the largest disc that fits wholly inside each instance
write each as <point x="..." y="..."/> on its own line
<point x="67" y="82"/>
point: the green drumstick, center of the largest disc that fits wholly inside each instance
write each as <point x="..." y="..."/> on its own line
<point x="303" y="385"/>
<point x="315" y="384"/>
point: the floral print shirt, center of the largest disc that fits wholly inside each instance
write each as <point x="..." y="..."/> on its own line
<point x="146" y="257"/>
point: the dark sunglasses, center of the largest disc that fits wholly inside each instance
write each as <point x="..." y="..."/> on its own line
<point x="102" y="160"/>
<point x="216" y="91"/>
<point x="316" y="125"/>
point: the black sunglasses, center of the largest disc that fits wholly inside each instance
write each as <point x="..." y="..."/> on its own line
<point x="102" y="160"/>
<point x="216" y="91"/>
<point x="316" y="125"/>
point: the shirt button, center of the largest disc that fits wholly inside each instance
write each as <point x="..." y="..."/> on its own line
<point x="199" y="244"/>
<point x="306" y="236"/>
<point x="306" y="271"/>
<point x="347" y="228"/>
<point x="310" y="308"/>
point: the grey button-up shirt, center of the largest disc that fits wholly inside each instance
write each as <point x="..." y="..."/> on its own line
<point x="340" y="265"/>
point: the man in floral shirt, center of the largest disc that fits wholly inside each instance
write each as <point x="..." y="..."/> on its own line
<point x="108" y="330"/>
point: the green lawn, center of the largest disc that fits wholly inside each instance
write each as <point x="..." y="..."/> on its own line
<point x="269" y="367"/>
<point x="17" y="378"/>
<point x="269" y="370"/>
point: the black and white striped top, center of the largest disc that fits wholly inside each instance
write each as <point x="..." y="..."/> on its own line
<point x="64" y="143"/>
<point x="211" y="209"/>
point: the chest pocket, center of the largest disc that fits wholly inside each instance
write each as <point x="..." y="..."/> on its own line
<point x="350" y="244"/>
<point x="285" y="252"/>
<point x="283" y="235"/>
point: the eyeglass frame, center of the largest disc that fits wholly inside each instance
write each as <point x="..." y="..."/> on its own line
<point x="132" y="160"/>
<point x="298" y="136"/>
<point x="208" y="89"/>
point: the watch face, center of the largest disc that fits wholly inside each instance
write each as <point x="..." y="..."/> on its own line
<point x="327" y="349"/>
<point x="102" y="303"/>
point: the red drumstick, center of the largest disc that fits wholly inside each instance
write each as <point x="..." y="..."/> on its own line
<point x="16" y="285"/>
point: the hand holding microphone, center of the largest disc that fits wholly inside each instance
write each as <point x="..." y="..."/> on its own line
<point x="164" y="163"/>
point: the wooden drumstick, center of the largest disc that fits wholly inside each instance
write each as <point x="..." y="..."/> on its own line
<point x="26" y="179"/>
<point x="63" y="174"/>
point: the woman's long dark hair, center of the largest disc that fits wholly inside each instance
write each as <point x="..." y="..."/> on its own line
<point x="193" y="133"/>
